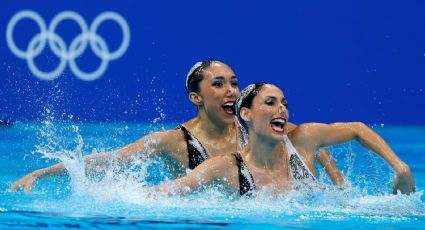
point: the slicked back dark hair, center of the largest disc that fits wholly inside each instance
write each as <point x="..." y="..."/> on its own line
<point x="196" y="74"/>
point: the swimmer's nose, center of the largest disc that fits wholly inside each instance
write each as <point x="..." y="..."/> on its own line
<point x="230" y="91"/>
<point x="282" y="108"/>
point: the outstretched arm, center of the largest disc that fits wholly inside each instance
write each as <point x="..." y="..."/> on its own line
<point x="151" y="144"/>
<point x="219" y="167"/>
<point x="324" y="135"/>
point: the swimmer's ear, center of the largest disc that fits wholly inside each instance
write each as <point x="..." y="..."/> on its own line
<point x="245" y="114"/>
<point x="196" y="99"/>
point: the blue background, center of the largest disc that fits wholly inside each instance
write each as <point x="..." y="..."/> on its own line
<point x="335" y="60"/>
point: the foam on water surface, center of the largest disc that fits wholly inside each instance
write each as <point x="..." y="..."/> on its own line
<point x="119" y="191"/>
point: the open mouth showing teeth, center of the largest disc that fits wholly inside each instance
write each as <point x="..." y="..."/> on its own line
<point x="278" y="124"/>
<point x="228" y="108"/>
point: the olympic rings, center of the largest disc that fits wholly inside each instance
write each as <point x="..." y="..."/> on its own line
<point x="78" y="45"/>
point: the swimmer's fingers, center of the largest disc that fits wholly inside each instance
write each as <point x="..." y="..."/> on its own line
<point x="26" y="183"/>
<point x="15" y="186"/>
<point x="28" y="187"/>
<point x="404" y="182"/>
<point x="412" y="184"/>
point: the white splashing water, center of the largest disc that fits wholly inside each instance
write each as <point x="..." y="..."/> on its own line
<point x="72" y="159"/>
<point x="120" y="191"/>
<point x="114" y="183"/>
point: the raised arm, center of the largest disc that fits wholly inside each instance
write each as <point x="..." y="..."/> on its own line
<point x="220" y="167"/>
<point x="325" y="135"/>
<point x="151" y="144"/>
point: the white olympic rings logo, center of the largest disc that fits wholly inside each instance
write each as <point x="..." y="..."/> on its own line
<point x="75" y="49"/>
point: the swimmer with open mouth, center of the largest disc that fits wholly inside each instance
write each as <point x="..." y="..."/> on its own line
<point x="276" y="158"/>
<point x="212" y="87"/>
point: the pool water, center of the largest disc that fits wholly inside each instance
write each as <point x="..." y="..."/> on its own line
<point x="115" y="200"/>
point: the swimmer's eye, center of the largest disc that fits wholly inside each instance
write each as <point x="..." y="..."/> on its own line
<point x="269" y="101"/>
<point x="272" y="101"/>
<point x="285" y="102"/>
<point x="217" y="83"/>
<point x="234" y="82"/>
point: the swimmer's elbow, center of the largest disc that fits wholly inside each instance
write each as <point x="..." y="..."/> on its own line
<point x="359" y="125"/>
<point x="359" y="128"/>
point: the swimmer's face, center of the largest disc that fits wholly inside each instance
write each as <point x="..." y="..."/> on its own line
<point x="219" y="89"/>
<point x="268" y="115"/>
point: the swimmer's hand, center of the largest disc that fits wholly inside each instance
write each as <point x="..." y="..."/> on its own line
<point x="26" y="183"/>
<point x="404" y="181"/>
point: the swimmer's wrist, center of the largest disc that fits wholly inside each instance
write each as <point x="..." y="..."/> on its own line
<point x="37" y="174"/>
<point x="40" y="173"/>
<point x="402" y="168"/>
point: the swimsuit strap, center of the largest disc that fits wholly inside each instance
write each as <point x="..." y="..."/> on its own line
<point x="299" y="168"/>
<point x="243" y="134"/>
<point x="196" y="151"/>
<point x="246" y="181"/>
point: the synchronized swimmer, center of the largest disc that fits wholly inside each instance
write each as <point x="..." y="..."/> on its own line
<point x="214" y="136"/>
<point x="275" y="158"/>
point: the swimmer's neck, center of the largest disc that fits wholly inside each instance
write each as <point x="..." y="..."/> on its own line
<point x="265" y="154"/>
<point x="210" y="129"/>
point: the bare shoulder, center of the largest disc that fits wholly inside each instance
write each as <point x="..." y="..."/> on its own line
<point x="306" y="132"/>
<point x="168" y="140"/>
<point x="190" y="124"/>
<point x="306" y="128"/>
<point x="169" y="135"/>
<point x="291" y="126"/>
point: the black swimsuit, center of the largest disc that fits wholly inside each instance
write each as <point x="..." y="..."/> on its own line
<point x="196" y="151"/>
<point x="246" y="181"/>
<point x="197" y="154"/>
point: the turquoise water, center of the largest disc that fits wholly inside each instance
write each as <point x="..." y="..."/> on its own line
<point x="116" y="200"/>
